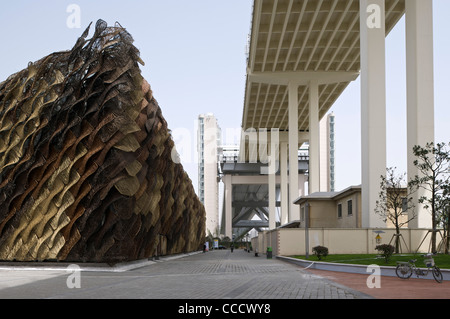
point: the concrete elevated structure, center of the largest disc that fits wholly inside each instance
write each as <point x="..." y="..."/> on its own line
<point x="251" y="197"/>
<point x="303" y="55"/>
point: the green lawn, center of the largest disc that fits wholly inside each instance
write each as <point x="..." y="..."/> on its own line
<point x="442" y="261"/>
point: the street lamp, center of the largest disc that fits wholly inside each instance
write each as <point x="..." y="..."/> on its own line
<point x="247" y="238"/>
<point x="307" y="230"/>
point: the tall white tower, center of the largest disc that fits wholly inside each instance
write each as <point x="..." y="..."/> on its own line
<point x="327" y="150"/>
<point x="209" y="138"/>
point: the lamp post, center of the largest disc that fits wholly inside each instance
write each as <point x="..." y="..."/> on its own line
<point x="247" y="238"/>
<point x="307" y="230"/>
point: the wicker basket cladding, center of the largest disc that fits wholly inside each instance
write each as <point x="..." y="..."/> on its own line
<point x="86" y="173"/>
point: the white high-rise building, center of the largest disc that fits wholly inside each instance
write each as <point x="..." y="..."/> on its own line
<point x="327" y="150"/>
<point x="208" y="141"/>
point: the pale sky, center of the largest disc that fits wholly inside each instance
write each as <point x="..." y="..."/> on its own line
<point x="195" y="63"/>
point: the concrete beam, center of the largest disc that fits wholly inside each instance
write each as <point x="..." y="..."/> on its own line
<point x="251" y="223"/>
<point x="254" y="203"/>
<point x="301" y="78"/>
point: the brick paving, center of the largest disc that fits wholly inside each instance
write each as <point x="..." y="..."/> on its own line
<point x="216" y="274"/>
<point x="391" y="287"/>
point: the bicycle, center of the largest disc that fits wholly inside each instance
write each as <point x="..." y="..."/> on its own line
<point x="404" y="270"/>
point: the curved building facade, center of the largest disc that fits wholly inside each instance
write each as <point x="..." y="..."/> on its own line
<point x="86" y="171"/>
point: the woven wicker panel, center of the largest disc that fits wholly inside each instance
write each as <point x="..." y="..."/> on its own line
<point x="86" y="173"/>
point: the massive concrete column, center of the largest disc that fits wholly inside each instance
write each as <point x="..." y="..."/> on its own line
<point x="314" y="139"/>
<point x="373" y="106"/>
<point x="284" y="184"/>
<point x="228" y="207"/>
<point x="294" y="210"/>
<point x="272" y="200"/>
<point x="274" y="162"/>
<point x="420" y="90"/>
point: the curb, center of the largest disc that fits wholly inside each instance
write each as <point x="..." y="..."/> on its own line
<point x="349" y="268"/>
<point x="96" y="267"/>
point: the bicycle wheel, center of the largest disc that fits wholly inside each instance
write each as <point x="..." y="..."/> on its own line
<point x="437" y="274"/>
<point x="403" y="271"/>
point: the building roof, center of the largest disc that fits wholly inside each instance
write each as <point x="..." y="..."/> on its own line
<point x="328" y="195"/>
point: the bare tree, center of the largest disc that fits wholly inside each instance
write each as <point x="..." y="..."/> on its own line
<point x="395" y="200"/>
<point x="444" y="217"/>
<point x="433" y="163"/>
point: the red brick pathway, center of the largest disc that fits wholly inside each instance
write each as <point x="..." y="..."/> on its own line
<point x="391" y="287"/>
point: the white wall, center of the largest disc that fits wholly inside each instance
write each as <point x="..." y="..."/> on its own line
<point x="291" y="241"/>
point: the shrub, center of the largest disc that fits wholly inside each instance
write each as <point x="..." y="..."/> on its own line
<point x="386" y="251"/>
<point x="320" y="251"/>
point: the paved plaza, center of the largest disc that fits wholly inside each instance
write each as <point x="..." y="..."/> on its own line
<point x="217" y="274"/>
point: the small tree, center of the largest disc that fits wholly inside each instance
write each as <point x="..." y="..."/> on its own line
<point x="433" y="164"/>
<point x="386" y="251"/>
<point x="445" y="217"/>
<point x="394" y="200"/>
<point x="320" y="251"/>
